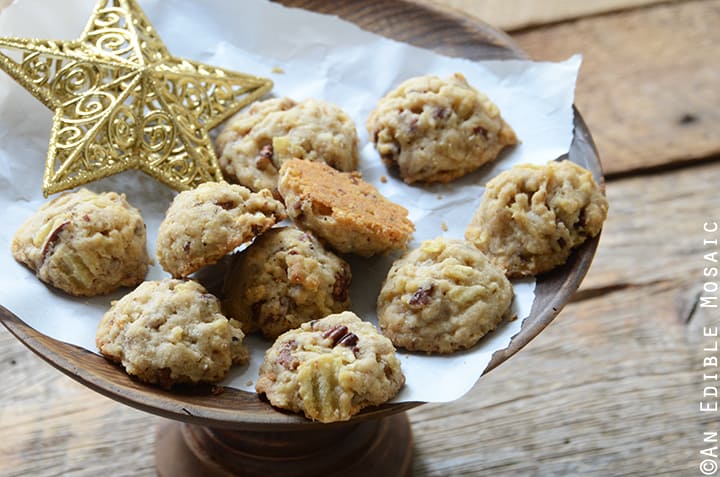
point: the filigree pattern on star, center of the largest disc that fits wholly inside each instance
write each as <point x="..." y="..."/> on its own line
<point x="121" y="101"/>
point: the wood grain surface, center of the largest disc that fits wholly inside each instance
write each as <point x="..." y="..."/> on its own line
<point x="516" y="14"/>
<point x="612" y="386"/>
<point x="648" y="86"/>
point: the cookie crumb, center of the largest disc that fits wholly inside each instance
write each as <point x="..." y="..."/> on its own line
<point x="444" y="226"/>
<point x="249" y="383"/>
<point x="383" y="179"/>
<point x="439" y="197"/>
<point x="278" y="70"/>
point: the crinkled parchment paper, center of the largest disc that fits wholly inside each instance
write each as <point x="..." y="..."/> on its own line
<point x="322" y="57"/>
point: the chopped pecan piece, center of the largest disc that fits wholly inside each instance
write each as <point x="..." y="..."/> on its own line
<point x="265" y="158"/>
<point x="286" y="357"/>
<point x="227" y="205"/>
<point x="349" y="340"/>
<point x="335" y="333"/>
<point x="340" y="287"/>
<point x="52" y="238"/>
<point x="339" y="334"/>
<point x="422" y="296"/>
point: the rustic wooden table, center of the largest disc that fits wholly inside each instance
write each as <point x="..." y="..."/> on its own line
<point x="614" y="385"/>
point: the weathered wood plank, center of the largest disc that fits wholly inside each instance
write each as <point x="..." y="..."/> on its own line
<point x="609" y="389"/>
<point x="54" y="426"/>
<point x="654" y="230"/>
<point x="515" y="14"/>
<point x="648" y="84"/>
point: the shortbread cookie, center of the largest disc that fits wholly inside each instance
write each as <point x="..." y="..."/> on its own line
<point x="330" y="369"/>
<point x="255" y="143"/>
<point x="84" y="243"/>
<point x="285" y="278"/>
<point x="442" y="297"/>
<point x="343" y="210"/>
<point x="531" y="217"/>
<point x="171" y="332"/>
<point x="205" y="224"/>
<point x="436" y="130"/>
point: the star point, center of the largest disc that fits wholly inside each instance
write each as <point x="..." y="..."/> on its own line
<point x="121" y="101"/>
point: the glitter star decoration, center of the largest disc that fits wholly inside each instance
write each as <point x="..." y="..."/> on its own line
<point x="123" y="102"/>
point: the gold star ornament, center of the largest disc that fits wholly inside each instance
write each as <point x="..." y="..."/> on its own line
<point x="122" y="102"/>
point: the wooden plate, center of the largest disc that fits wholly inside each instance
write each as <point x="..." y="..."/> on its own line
<point x="441" y="31"/>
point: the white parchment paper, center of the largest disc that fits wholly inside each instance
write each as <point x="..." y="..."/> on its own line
<point x="322" y="57"/>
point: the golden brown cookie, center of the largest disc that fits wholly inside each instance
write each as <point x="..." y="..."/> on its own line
<point x="84" y="243"/>
<point x="170" y="332"/>
<point x="531" y="217"/>
<point x="343" y="210"/>
<point x="436" y="130"/>
<point x="205" y="224"/>
<point x="255" y="143"/>
<point x="442" y="297"/>
<point x="330" y="369"/>
<point x="285" y="278"/>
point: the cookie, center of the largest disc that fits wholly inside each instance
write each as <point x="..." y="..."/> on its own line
<point x="330" y="369"/>
<point x="436" y="130"/>
<point x="531" y="217"/>
<point x="84" y="243"/>
<point x="343" y="210"/>
<point x="171" y="332"/>
<point x="285" y="278"/>
<point x="204" y="224"/>
<point x="442" y="297"/>
<point x="255" y="143"/>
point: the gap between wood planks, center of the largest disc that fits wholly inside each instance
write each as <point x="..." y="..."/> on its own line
<point x="648" y="84"/>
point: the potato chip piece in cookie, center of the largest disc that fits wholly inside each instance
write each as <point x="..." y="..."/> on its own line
<point x="531" y="217"/>
<point x="171" y="332"/>
<point x="436" y="130"/>
<point x="255" y="143"/>
<point x="343" y="210"/>
<point x="84" y="243"/>
<point x="204" y="224"/>
<point x="285" y="278"/>
<point x="330" y="369"/>
<point x="442" y="297"/>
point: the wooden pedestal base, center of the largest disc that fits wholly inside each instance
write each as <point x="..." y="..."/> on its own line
<point x="379" y="447"/>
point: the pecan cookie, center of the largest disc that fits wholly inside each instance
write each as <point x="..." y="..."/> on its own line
<point x="343" y="210"/>
<point x="442" y="297"/>
<point x="285" y="278"/>
<point x="84" y="243"/>
<point x="205" y="224"/>
<point x="436" y="130"/>
<point x="531" y="217"/>
<point x="255" y="143"/>
<point x="330" y="369"/>
<point x="170" y="332"/>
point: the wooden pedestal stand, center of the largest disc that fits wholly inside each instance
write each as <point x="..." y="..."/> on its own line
<point x="379" y="447"/>
<point x="235" y="432"/>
